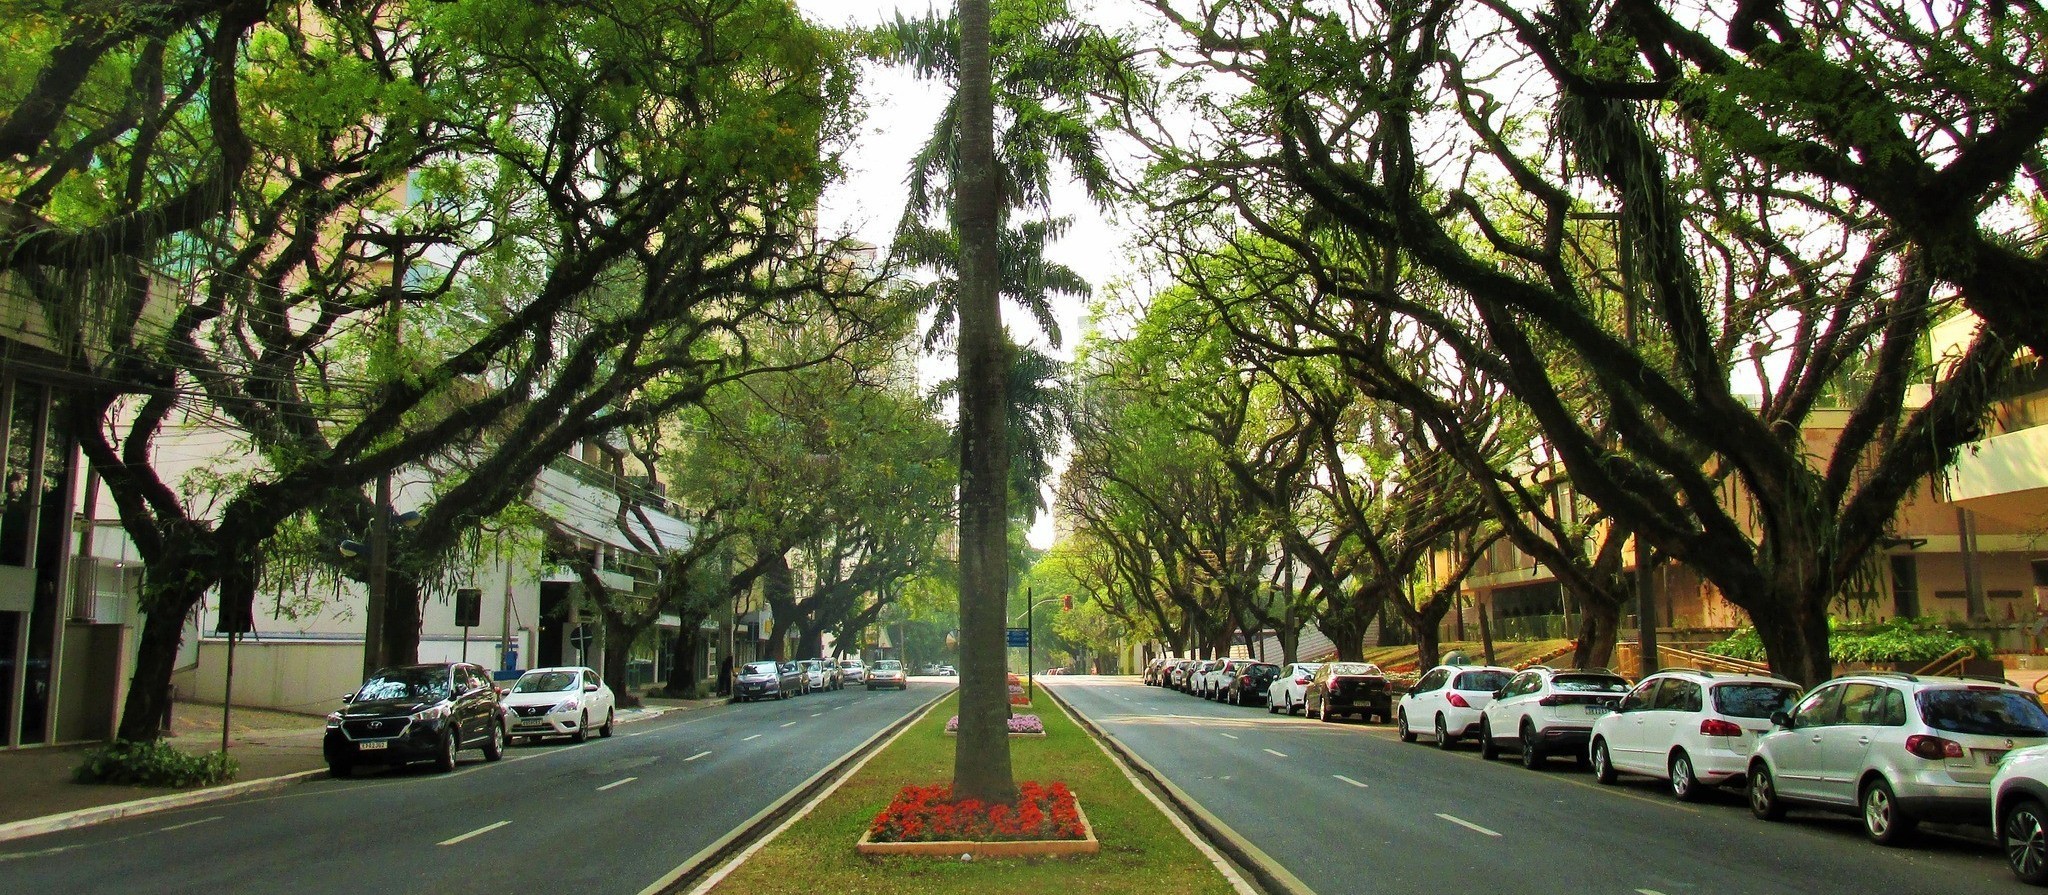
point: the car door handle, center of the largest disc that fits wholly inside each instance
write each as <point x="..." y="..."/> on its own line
<point x="1862" y="741"/>
<point x="1816" y="738"/>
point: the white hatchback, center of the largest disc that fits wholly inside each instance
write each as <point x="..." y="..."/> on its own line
<point x="1695" y="729"/>
<point x="559" y="702"/>
<point x="1289" y="691"/>
<point x="2019" y="812"/>
<point x="1449" y="698"/>
<point x="852" y="671"/>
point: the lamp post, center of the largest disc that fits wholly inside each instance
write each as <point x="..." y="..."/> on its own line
<point x="1031" y="642"/>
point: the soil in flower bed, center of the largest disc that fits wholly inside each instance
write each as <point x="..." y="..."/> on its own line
<point x="1020" y="726"/>
<point x="929" y="814"/>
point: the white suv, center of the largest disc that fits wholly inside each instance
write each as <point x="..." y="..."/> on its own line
<point x="1289" y="691"/>
<point x="1225" y="673"/>
<point x="2019" y="813"/>
<point x="1693" y="728"/>
<point x="1450" y="699"/>
<point x="1895" y="748"/>
<point x="1544" y="711"/>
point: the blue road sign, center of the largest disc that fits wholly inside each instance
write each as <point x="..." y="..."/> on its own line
<point x="1019" y="636"/>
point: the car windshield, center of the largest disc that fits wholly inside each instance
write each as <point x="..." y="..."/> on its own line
<point x="1754" y="700"/>
<point x="888" y="665"/>
<point x="545" y="682"/>
<point x="849" y="664"/>
<point x="406" y="683"/>
<point x="1588" y="683"/>
<point x="1994" y="712"/>
<point x="1354" y="668"/>
<point x="759" y="668"/>
<point x="1481" y="680"/>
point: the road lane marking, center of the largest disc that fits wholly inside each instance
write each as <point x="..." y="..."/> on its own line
<point x="1350" y="781"/>
<point x="790" y="724"/>
<point x="641" y="733"/>
<point x="479" y="831"/>
<point x="1468" y="825"/>
<point x="1231" y="735"/>
<point x="1648" y="892"/>
<point x="754" y="737"/>
<point x="614" y="783"/>
<point x="191" y="823"/>
<point x="1281" y="754"/>
<point x="698" y="755"/>
<point x="816" y="714"/>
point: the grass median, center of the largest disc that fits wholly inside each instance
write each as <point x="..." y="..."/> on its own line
<point x="1141" y="849"/>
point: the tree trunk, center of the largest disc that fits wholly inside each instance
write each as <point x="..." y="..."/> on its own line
<point x="149" y="690"/>
<point x="1599" y="630"/>
<point x="618" y="650"/>
<point x="403" y="605"/>
<point x="1290" y="644"/>
<point x="682" y="673"/>
<point x="811" y="641"/>
<point x="1795" y="638"/>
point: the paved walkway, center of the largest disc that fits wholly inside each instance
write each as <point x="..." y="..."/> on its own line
<point x="36" y="784"/>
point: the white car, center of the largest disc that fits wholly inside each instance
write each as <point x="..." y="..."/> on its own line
<point x="562" y="701"/>
<point x="1695" y="729"/>
<point x="1894" y="748"/>
<point x="1544" y="711"/>
<point x="1220" y="677"/>
<point x="2019" y="812"/>
<point x="1449" y="699"/>
<point x="1289" y="691"/>
<point x="817" y="676"/>
<point x="887" y="673"/>
<point x="852" y="671"/>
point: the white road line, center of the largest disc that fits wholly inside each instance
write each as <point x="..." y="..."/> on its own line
<point x="1349" y="780"/>
<point x="190" y="823"/>
<point x="479" y="831"/>
<point x="1271" y="752"/>
<point x="616" y="783"/>
<point x="1231" y="735"/>
<point x="698" y="755"/>
<point x="836" y="708"/>
<point x="817" y="714"/>
<point x="1648" y="892"/>
<point x="1468" y="825"/>
<point x="790" y="724"/>
<point x="754" y="737"/>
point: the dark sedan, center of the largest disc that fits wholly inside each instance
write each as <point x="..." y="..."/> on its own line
<point x="768" y="680"/>
<point x="1249" y="687"/>
<point x="416" y="713"/>
<point x="1349" y="688"/>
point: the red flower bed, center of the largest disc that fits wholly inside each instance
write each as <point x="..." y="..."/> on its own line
<point x="929" y="814"/>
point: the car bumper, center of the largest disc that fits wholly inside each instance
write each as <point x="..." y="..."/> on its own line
<point x="419" y="741"/>
<point x="757" y="691"/>
<point x="1559" y="738"/>
<point x="557" y="723"/>
<point x="1718" y="766"/>
<point x="1938" y="797"/>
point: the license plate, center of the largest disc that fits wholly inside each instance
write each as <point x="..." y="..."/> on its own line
<point x="372" y="746"/>
<point x="1597" y="709"/>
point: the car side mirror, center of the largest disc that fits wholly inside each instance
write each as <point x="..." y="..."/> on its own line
<point x="589" y="688"/>
<point x="1782" y="720"/>
<point x="504" y="692"/>
<point x="1500" y="692"/>
<point x="348" y="697"/>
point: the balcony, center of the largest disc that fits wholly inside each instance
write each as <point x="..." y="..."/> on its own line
<point x="2004" y="476"/>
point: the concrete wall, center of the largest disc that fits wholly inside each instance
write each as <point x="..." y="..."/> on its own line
<point x="293" y="677"/>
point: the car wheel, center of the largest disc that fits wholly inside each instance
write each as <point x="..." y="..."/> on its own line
<point x="494" y="745"/>
<point x="1883" y="820"/>
<point x="582" y="728"/>
<point x="1323" y="712"/>
<point x="1401" y="727"/>
<point x="2022" y="832"/>
<point x="1532" y="748"/>
<point x="1684" y="785"/>
<point x="445" y="761"/>
<point x="1763" y="793"/>
<point x="1603" y="763"/>
<point x="340" y="769"/>
<point x="610" y="718"/>
<point x="1488" y="749"/>
<point x="1444" y="740"/>
<point x="1272" y="708"/>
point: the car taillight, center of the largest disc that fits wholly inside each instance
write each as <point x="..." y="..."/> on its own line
<point x="1244" y="680"/>
<point x="1716" y="727"/>
<point x="1551" y="700"/>
<point x="1933" y="748"/>
<point x="1302" y="681"/>
<point x="1458" y="701"/>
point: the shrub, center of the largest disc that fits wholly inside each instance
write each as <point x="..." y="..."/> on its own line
<point x="154" y="763"/>
<point x="929" y="814"/>
<point x="1898" y="640"/>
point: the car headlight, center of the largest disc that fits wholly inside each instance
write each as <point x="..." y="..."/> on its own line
<point x="333" y="720"/>
<point x="568" y="705"/>
<point x="432" y="713"/>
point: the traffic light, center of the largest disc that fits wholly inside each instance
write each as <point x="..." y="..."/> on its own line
<point x="1067" y="602"/>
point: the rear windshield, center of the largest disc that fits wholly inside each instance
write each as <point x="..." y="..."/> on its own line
<point x="1355" y="668"/>
<point x="1481" y="680"/>
<point x="2006" y="713"/>
<point x="1588" y="683"/>
<point x="1754" y="700"/>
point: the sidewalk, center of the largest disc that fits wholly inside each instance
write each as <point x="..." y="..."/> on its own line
<point x="272" y="748"/>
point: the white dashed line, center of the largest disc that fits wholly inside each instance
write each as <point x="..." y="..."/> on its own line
<point x="790" y="724"/>
<point x="698" y="755"/>
<point x="190" y="823"/>
<point x="754" y="737"/>
<point x="1648" y="892"/>
<point x="1349" y="780"/>
<point x="614" y="784"/>
<point x="1231" y="735"/>
<point x="479" y="831"/>
<point x="1468" y="825"/>
<point x="1271" y="752"/>
<point x="816" y="714"/>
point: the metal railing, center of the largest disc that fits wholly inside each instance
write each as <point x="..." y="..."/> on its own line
<point x="1950" y="663"/>
<point x="1711" y="662"/>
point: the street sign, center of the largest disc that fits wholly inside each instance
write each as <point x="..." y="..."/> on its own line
<point x="469" y="603"/>
<point x="1019" y="636"/>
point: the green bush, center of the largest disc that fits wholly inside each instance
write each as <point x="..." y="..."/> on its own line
<point x="154" y="763"/>
<point x="1898" y="640"/>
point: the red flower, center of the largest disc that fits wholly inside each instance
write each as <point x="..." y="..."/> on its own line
<point x="929" y="814"/>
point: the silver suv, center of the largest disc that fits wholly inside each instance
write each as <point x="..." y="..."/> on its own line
<point x="1893" y="747"/>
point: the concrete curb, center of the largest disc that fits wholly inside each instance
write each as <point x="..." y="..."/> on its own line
<point x="99" y="814"/>
<point x="1270" y="876"/>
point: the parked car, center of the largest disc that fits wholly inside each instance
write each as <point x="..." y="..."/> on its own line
<point x="559" y="702"/>
<point x="1348" y="688"/>
<point x="1198" y="677"/>
<point x="767" y="680"/>
<point x="1544" y="712"/>
<point x="1249" y="686"/>
<point x="1695" y="729"/>
<point x="1289" y="690"/>
<point x="887" y="673"/>
<point x="411" y="713"/>
<point x="1449" y="700"/>
<point x="1177" y="674"/>
<point x="1218" y="675"/>
<point x="852" y="671"/>
<point x="2019" y="812"/>
<point x="948" y="671"/>
<point x="1155" y="670"/>
<point x="819" y="674"/>
<point x="1894" y="748"/>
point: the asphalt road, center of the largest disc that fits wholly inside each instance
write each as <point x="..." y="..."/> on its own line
<point x="1348" y="808"/>
<point x="607" y="816"/>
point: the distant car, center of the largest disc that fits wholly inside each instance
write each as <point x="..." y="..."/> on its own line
<point x="1695" y="729"/>
<point x="1894" y="748"/>
<point x="931" y="670"/>
<point x="1289" y="690"/>
<point x="1155" y="670"/>
<point x="1177" y="674"/>
<point x="1348" y="688"/>
<point x="852" y="671"/>
<point x="818" y="675"/>
<point x="560" y="702"/>
<point x="1447" y="701"/>
<point x="1544" y="712"/>
<point x="1197" y="677"/>
<point x="948" y="671"/>
<point x="887" y="673"/>
<point x="766" y="680"/>
<point x="2019" y="812"/>
<point x="411" y="713"/>
<point x="1249" y="687"/>
<point x="1215" y="683"/>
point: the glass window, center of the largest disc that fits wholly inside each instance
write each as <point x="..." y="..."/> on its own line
<point x="17" y="521"/>
<point x="1989" y="711"/>
<point x="1431" y="681"/>
<point x="1862" y="704"/>
<point x="1644" y="695"/>
<point x="405" y="683"/>
<point x="1819" y="708"/>
<point x="1894" y="708"/>
<point x="544" y="682"/>
<point x="1588" y="683"/>
<point x="1678" y="695"/>
<point x="1487" y="681"/>
<point x="1756" y="700"/>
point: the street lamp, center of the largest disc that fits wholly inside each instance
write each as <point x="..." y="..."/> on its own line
<point x="1030" y="642"/>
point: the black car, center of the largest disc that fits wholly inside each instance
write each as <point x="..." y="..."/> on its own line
<point x="1249" y="687"/>
<point x="1349" y="688"/>
<point x="414" y="713"/>
<point x="768" y="680"/>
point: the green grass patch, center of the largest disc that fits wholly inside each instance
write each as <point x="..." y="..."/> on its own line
<point x="1141" y="849"/>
